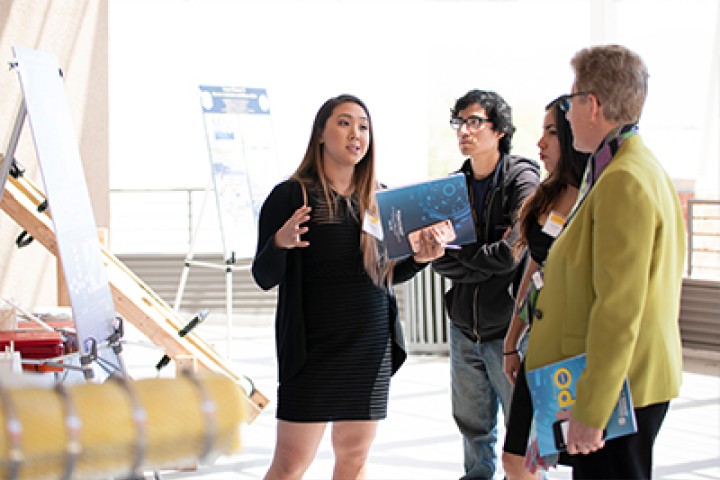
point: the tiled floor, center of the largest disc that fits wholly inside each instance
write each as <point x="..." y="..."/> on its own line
<point x="419" y="441"/>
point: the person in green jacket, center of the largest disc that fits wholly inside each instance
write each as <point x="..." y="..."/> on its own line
<point x="612" y="280"/>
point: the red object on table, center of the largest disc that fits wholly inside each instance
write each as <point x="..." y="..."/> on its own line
<point x="34" y="344"/>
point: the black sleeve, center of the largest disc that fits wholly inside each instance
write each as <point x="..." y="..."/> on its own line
<point x="476" y="262"/>
<point x="496" y="257"/>
<point x="268" y="266"/>
<point x="406" y="269"/>
<point x="450" y="267"/>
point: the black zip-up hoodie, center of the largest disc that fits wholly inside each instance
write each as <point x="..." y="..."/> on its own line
<point x="480" y="301"/>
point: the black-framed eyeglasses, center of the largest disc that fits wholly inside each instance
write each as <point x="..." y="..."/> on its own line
<point x="564" y="101"/>
<point x="473" y="122"/>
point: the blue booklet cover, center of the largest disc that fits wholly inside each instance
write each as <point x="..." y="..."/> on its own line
<point x="406" y="209"/>
<point x="552" y="389"/>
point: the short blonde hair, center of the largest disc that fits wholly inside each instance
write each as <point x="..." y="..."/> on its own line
<point x="617" y="76"/>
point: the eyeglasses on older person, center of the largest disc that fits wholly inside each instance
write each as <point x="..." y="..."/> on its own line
<point x="564" y="101"/>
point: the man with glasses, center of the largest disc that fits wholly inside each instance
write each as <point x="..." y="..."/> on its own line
<point x="480" y="301"/>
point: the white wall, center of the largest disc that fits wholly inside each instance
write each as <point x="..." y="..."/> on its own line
<point x="409" y="60"/>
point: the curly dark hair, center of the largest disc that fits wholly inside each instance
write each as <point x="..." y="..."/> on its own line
<point x="496" y="109"/>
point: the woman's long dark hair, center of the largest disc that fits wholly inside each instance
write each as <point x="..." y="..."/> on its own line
<point x="569" y="172"/>
<point x="311" y="172"/>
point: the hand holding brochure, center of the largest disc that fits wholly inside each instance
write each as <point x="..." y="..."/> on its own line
<point x="552" y="389"/>
<point x="406" y="209"/>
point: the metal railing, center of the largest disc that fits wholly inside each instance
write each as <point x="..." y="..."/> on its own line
<point x="163" y="221"/>
<point x="703" y="230"/>
<point x="426" y="320"/>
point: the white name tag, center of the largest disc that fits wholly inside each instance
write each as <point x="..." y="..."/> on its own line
<point x="554" y="224"/>
<point x="371" y="225"/>
<point x="537" y="280"/>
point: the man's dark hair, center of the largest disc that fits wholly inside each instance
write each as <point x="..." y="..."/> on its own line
<point x="496" y="109"/>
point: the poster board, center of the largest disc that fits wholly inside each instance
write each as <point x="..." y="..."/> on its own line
<point x="240" y="141"/>
<point x="57" y="152"/>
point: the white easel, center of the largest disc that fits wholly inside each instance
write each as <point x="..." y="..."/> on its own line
<point x="229" y="267"/>
<point x="240" y="143"/>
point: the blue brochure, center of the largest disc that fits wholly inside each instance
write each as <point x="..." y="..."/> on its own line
<point x="552" y="389"/>
<point x="406" y="209"/>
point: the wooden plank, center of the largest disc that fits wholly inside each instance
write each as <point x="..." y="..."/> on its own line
<point x="134" y="301"/>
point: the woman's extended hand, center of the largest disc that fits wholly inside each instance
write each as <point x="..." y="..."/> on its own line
<point x="288" y="236"/>
<point x="428" y="245"/>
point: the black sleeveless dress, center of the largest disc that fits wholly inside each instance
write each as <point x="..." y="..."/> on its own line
<point x="346" y="375"/>
<point x="520" y="421"/>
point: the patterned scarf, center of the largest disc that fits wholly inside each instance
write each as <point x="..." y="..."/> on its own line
<point x="600" y="160"/>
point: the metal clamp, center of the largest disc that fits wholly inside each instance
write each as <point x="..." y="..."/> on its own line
<point x="73" y="425"/>
<point x="14" y="434"/>
<point x="139" y="416"/>
<point x="209" y="411"/>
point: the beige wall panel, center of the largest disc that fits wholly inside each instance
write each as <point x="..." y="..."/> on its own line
<point x="76" y="31"/>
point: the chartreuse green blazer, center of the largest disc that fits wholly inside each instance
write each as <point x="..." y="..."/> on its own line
<point x="612" y="283"/>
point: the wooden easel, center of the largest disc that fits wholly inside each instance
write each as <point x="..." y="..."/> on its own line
<point x="132" y="298"/>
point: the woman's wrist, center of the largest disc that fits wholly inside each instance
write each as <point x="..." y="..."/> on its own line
<point x="511" y="352"/>
<point x="419" y="263"/>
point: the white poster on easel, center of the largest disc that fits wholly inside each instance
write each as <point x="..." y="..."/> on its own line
<point x="238" y="129"/>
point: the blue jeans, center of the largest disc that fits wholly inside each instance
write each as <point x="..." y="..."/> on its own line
<point x="478" y="387"/>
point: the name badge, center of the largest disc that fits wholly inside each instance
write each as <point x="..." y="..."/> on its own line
<point x="554" y="224"/>
<point x="371" y="225"/>
<point x="537" y="279"/>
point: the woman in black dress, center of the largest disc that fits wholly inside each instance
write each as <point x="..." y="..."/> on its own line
<point x="542" y="218"/>
<point x="338" y="337"/>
